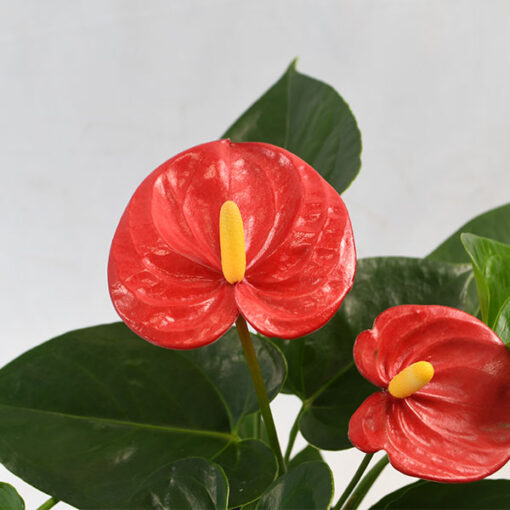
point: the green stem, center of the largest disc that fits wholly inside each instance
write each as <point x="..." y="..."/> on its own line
<point x="48" y="504"/>
<point x="355" y="479"/>
<point x="260" y="389"/>
<point x="364" y="486"/>
<point x="258" y="424"/>
<point x="292" y="436"/>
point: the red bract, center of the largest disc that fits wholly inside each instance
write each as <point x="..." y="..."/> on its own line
<point x="165" y="273"/>
<point x="456" y="428"/>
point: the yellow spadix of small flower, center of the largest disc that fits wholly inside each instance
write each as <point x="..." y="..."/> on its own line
<point x="411" y="379"/>
<point x="233" y="252"/>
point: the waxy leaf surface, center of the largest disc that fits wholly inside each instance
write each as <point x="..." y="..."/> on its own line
<point x="186" y="484"/>
<point x="310" y="119"/>
<point x="502" y="323"/>
<point x="424" y="495"/>
<point x="239" y="461"/>
<point x="9" y="498"/>
<point x="308" y="486"/>
<point x="494" y="224"/>
<point x="88" y="416"/>
<point x="321" y="366"/>
<point x="491" y="266"/>
<point x="307" y="454"/>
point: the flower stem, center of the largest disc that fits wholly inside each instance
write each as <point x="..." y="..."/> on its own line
<point x="48" y="504"/>
<point x="292" y="436"/>
<point x="364" y="486"/>
<point x="355" y="479"/>
<point x="260" y="389"/>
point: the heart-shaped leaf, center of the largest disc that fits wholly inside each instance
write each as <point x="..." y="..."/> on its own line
<point x="494" y="224"/>
<point x="424" y="495"/>
<point x="186" y="484"/>
<point x="310" y="119"/>
<point x="491" y="263"/>
<point x="307" y="454"/>
<point x="309" y="486"/>
<point x="321" y="367"/>
<point x="90" y="415"/>
<point x="9" y="498"/>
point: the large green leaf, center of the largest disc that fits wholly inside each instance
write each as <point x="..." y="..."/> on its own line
<point x="9" y="498"/>
<point x="310" y="119"/>
<point x="309" y="486"/>
<point x="494" y="224"/>
<point x="491" y="266"/>
<point x="186" y="484"/>
<point x="88" y="416"/>
<point x="321" y="367"/>
<point x="423" y="495"/>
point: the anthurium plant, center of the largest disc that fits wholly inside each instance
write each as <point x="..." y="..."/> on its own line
<point x="234" y="271"/>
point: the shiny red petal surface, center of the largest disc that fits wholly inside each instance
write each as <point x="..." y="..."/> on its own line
<point x="457" y="427"/>
<point x="165" y="268"/>
<point x="165" y="283"/>
<point x="302" y="273"/>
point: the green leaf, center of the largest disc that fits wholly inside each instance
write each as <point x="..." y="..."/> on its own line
<point x="186" y="484"/>
<point x="502" y="323"/>
<point x="321" y="368"/>
<point x="491" y="263"/>
<point x="90" y="415"/>
<point x="307" y="454"/>
<point x="310" y="119"/>
<point x="494" y="224"/>
<point x="250" y="467"/>
<point x="9" y="498"/>
<point x="308" y="486"/>
<point x="422" y="495"/>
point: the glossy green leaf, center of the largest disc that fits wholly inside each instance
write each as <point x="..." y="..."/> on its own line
<point x="310" y="119"/>
<point x="90" y="415"/>
<point x="321" y="367"/>
<point x="250" y="467"/>
<point x="225" y="365"/>
<point x="494" y="224"/>
<point x="308" y="486"/>
<point x="186" y="484"/>
<point x="502" y="323"/>
<point x="307" y="454"/>
<point x="424" y="495"/>
<point x="491" y="266"/>
<point x="9" y="498"/>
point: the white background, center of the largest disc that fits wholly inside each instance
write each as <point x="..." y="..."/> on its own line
<point x="95" y="94"/>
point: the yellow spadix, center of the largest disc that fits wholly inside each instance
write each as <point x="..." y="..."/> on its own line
<point x="233" y="252"/>
<point x="411" y="379"/>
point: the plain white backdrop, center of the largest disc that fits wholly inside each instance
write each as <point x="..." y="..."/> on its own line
<point x="95" y="94"/>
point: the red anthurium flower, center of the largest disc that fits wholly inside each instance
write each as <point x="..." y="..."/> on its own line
<point x="444" y="412"/>
<point x="226" y="228"/>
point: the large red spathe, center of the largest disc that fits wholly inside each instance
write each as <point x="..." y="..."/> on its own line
<point x="457" y="427"/>
<point x="165" y="273"/>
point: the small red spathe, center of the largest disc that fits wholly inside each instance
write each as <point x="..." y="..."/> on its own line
<point x="164" y="270"/>
<point x="457" y="427"/>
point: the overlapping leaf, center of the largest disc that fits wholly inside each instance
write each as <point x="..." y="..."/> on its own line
<point x="308" y="486"/>
<point x="89" y="416"/>
<point x="186" y="484"/>
<point x="9" y="498"/>
<point x="494" y="224"/>
<point x="491" y="266"/>
<point x="424" y="495"/>
<point x="321" y="367"/>
<point x="310" y="119"/>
